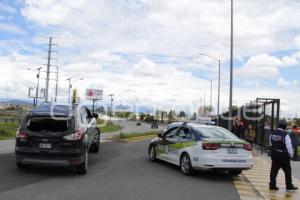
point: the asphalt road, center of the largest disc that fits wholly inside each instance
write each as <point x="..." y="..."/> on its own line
<point x="120" y="171"/>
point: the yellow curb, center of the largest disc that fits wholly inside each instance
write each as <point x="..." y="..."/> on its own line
<point x="244" y="188"/>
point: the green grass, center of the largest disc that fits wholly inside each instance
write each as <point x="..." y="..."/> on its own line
<point x="108" y="126"/>
<point x="6" y="115"/>
<point x="131" y="135"/>
<point x="8" y="130"/>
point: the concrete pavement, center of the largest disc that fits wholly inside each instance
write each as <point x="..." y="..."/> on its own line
<point x="7" y="146"/>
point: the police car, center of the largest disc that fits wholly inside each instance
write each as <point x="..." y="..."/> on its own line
<point x="195" y="146"/>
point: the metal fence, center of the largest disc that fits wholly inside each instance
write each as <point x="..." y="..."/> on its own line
<point x="263" y="116"/>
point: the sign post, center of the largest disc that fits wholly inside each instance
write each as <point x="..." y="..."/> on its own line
<point x="94" y="95"/>
<point x="36" y="94"/>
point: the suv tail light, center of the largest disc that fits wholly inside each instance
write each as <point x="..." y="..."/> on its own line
<point x="78" y="135"/>
<point x="248" y="147"/>
<point x="21" y="134"/>
<point x="211" y="146"/>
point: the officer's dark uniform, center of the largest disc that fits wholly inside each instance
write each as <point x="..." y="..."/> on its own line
<point x="280" y="159"/>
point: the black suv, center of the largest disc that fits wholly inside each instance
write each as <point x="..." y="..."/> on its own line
<point x="59" y="135"/>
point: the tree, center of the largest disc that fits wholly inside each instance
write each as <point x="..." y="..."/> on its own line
<point x="101" y="110"/>
<point x="133" y="117"/>
<point x="208" y="109"/>
<point x="181" y="114"/>
<point x="142" y="116"/>
<point x="163" y="114"/>
<point x="149" y="118"/>
<point x="296" y="121"/>
<point x="157" y="114"/>
<point x="194" y="117"/>
<point x="171" y="116"/>
<point x="234" y="108"/>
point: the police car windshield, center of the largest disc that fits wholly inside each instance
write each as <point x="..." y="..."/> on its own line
<point x="214" y="133"/>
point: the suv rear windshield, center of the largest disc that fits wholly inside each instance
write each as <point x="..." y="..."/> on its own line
<point x="48" y="124"/>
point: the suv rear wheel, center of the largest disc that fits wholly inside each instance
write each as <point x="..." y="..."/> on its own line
<point x="21" y="165"/>
<point x="95" y="146"/>
<point x="82" y="168"/>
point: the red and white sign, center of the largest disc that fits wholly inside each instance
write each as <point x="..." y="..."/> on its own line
<point x="94" y="94"/>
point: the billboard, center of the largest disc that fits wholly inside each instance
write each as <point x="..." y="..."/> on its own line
<point x="32" y="93"/>
<point x="94" y="94"/>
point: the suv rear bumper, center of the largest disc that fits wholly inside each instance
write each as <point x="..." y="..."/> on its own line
<point x="32" y="156"/>
<point x="48" y="160"/>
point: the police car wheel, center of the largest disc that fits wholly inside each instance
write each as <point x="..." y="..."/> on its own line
<point x="186" y="165"/>
<point x="152" y="154"/>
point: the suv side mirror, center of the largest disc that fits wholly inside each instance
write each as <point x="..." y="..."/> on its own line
<point x="95" y="115"/>
<point x="159" y="135"/>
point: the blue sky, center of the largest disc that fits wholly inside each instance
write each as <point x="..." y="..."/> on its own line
<point x="148" y="51"/>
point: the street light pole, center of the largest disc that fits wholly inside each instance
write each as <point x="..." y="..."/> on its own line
<point x="37" y="86"/>
<point x="56" y="85"/>
<point x="231" y="70"/>
<point x="210" y="109"/>
<point x="219" y="85"/>
<point x="38" y="70"/>
<point x="70" y="86"/>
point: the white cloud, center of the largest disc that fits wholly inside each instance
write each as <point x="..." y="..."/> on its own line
<point x="50" y="12"/>
<point x="105" y="56"/>
<point x="170" y="27"/>
<point x="295" y="82"/>
<point x="289" y="61"/>
<point x="260" y="66"/>
<point x="282" y="82"/>
<point x="297" y="41"/>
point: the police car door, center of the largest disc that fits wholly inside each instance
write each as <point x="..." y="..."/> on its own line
<point x="164" y="146"/>
<point x="182" y="139"/>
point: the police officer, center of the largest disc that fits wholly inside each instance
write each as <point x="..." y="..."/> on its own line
<point x="281" y="154"/>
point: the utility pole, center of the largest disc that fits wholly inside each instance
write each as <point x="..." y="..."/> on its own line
<point x="218" y="109"/>
<point x="231" y="71"/>
<point x="48" y="69"/>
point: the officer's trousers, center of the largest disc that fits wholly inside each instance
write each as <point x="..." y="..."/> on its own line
<point x="280" y="160"/>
